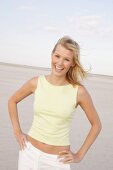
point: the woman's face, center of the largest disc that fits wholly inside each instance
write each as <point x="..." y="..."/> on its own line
<point x="62" y="60"/>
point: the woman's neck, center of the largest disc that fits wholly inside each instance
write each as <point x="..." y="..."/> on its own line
<point x="57" y="80"/>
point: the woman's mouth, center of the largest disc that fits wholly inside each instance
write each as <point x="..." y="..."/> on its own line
<point x="58" y="68"/>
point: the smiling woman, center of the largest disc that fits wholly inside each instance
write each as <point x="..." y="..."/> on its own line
<point x="62" y="60"/>
<point x="66" y="57"/>
<point x="56" y="97"/>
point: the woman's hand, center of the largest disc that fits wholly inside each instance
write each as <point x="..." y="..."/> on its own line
<point x="21" y="139"/>
<point x="68" y="156"/>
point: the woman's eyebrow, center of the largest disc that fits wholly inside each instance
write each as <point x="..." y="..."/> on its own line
<point x="67" y="57"/>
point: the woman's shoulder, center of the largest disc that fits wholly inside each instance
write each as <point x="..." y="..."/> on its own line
<point x="33" y="83"/>
<point x="83" y="93"/>
<point x="81" y="89"/>
<point x="34" y="80"/>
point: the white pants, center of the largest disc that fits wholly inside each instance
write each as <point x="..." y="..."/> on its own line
<point x="32" y="158"/>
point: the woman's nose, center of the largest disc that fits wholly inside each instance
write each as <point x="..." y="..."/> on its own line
<point x="60" y="62"/>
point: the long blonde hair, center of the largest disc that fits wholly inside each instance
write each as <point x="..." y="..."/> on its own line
<point x="77" y="72"/>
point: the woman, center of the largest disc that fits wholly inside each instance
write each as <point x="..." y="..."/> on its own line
<point x="56" y="96"/>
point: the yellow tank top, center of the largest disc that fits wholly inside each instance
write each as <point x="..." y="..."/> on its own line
<point x="53" y="111"/>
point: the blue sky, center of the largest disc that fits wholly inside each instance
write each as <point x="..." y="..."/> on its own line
<point x="29" y="29"/>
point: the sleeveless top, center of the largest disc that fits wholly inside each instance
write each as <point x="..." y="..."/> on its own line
<point x="53" y="111"/>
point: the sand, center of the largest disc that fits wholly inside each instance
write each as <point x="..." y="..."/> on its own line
<point x="100" y="155"/>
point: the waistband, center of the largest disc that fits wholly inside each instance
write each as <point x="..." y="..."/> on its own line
<point x="45" y="158"/>
<point x="29" y="145"/>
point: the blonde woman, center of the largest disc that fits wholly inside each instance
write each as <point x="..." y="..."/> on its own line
<point x="56" y="96"/>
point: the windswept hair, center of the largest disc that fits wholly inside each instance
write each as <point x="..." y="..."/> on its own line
<point x="77" y="72"/>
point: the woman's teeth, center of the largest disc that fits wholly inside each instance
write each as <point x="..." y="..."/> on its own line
<point x="59" y="68"/>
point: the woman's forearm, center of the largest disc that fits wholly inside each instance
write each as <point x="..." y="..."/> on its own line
<point x="93" y="133"/>
<point x="13" y="113"/>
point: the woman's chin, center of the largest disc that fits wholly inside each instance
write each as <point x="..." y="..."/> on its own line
<point x="58" y="73"/>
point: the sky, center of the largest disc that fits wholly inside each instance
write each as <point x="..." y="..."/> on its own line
<point x="29" y="29"/>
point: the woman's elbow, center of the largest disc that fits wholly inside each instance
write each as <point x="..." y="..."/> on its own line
<point x="11" y="101"/>
<point x="98" y="126"/>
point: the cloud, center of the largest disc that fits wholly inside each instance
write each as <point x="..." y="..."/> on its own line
<point x="25" y="8"/>
<point x="89" y="25"/>
<point x="50" y="28"/>
<point x="107" y="31"/>
<point x="90" y="21"/>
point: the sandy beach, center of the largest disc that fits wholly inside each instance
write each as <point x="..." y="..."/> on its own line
<point x="99" y="157"/>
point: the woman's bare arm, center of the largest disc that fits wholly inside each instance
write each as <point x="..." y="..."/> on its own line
<point x="27" y="89"/>
<point x="85" y="102"/>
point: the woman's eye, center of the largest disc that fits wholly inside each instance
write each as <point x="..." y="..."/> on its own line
<point x="67" y="59"/>
<point x="57" y="56"/>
